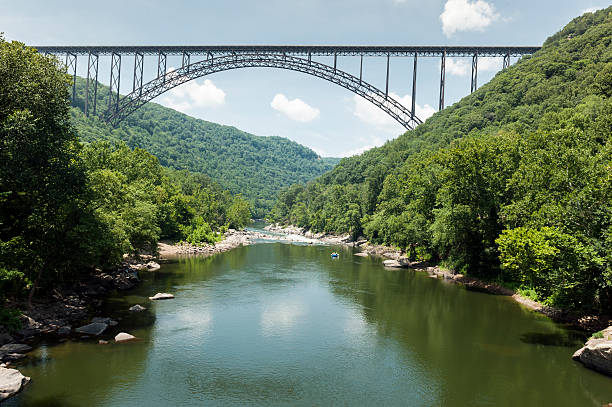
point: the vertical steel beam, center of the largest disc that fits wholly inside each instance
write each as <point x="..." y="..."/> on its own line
<point x="309" y="58"/>
<point x="442" y="80"/>
<point x="71" y="68"/>
<point x="360" y="69"/>
<point x="474" y="85"/>
<point x="161" y="65"/>
<point x="387" y="85"/>
<point x="92" y="76"/>
<point x="335" y="60"/>
<point x="138" y="68"/>
<point x="186" y="60"/>
<point x="506" y="61"/>
<point x="414" y="73"/>
<point x="115" y="82"/>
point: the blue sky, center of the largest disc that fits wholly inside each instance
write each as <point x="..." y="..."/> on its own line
<point x="313" y="112"/>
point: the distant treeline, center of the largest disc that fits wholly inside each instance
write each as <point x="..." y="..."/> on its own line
<point x="513" y="183"/>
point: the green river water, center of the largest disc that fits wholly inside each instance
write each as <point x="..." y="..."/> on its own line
<point x="284" y="324"/>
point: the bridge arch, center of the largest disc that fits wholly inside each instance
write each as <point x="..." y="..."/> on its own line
<point x="147" y="92"/>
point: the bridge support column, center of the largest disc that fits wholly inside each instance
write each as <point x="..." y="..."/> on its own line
<point x="474" y="85"/>
<point x="71" y="66"/>
<point x="138" y="68"/>
<point x="442" y="79"/>
<point x="92" y="76"/>
<point x="387" y="85"/>
<point x="414" y="77"/>
<point x="115" y="81"/>
<point x="335" y="61"/>
<point x="361" y="69"/>
<point x="309" y="58"/>
<point x="506" y="61"/>
<point x="161" y="65"/>
<point x="186" y="60"/>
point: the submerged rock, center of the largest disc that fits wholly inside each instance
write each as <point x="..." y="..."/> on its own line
<point x="137" y="308"/>
<point x="162" y="296"/>
<point x="597" y="353"/>
<point x="15" y="348"/>
<point x="64" y="330"/>
<point x="124" y="337"/>
<point x="11" y="382"/>
<point x="95" y="328"/>
<point x="362" y="254"/>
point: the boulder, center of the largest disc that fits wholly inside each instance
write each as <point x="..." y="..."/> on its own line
<point x="15" y="348"/>
<point x="101" y="320"/>
<point x="5" y="338"/>
<point x="597" y="353"/>
<point x="392" y="263"/>
<point x="11" y="357"/>
<point x="137" y="308"/>
<point x="124" y="337"/>
<point x="64" y="330"/>
<point x="162" y="296"/>
<point x="95" y="328"/>
<point x="391" y="255"/>
<point x="153" y="266"/>
<point x="404" y="261"/>
<point x="11" y="382"/>
<point x="362" y="254"/>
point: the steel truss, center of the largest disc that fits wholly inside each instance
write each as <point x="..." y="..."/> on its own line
<point x="169" y="80"/>
<point x="115" y="81"/>
<point x="92" y="76"/>
<point x="71" y="68"/>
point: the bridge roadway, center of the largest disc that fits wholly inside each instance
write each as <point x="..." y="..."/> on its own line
<point x="303" y="50"/>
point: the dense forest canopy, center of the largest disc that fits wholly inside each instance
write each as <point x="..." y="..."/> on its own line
<point x="512" y="183"/>
<point x="68" y="207"/>
<point x="255" y="166"/>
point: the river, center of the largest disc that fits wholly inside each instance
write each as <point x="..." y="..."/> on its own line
<point x="285" y="324"/>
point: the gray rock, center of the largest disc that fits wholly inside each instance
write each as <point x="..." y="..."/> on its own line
<point x="391" y="255"/>
<point x="5" y="338"/>
<point x="124" y="337"/>
<point x="597" y="353"/>
<point x="362" y="254"/>
<point x="15" y="348"/>
<point x="162" y="296"/>
<point x="153" y="266"/>
<point x="137" y="308"/>
<point x="101" y="320"/>
<point x="404" y="261"/>
<point x="11" y="357"/>
<point x="95" y="328"/>
<point x="64" y="330"/>
<point x="392" y="263"/>
<point x="112" y="322"/>
<point x="11" y="382"/>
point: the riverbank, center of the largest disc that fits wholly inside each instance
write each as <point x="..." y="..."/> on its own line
<point x="395" y="258"/>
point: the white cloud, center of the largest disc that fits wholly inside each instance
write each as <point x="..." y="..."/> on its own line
<point x="371" y="114"/>
<point x="457" y="67"/>
<point x="295" y="109"/>
<point x="489" y="64"/>
<point x="192" y="95"/>
<point x="466" y="15"/>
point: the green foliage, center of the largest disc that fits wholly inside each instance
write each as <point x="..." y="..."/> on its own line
<point x="256" y="167"/>
<point x="200" y="232"/>
<point x="597" y="335"/>
<point x="66" y="207"/>
<point x="530" y="150"/>
<point x="558" y="267"/>
<point x="9" y="318"/>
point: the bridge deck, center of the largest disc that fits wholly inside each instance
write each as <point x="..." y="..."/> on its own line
<point x="314" y="50"/>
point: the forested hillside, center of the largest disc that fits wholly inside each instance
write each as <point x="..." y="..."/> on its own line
<point x="514" y="182"/>
<point x="67" y="208"/>
<point x="255" y="166"/>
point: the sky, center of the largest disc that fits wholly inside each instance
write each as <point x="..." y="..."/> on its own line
<point x="272" y="102"/>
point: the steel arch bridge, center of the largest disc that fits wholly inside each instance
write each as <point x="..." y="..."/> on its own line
<point x="295" y="57"/>
<point x="169" y="80"/>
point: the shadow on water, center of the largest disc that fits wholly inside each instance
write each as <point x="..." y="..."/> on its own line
<point x="565" y="339"/>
